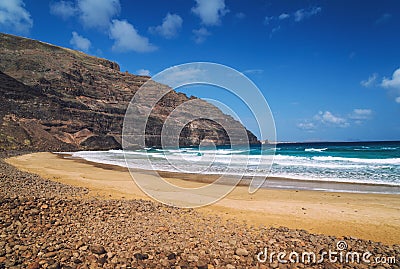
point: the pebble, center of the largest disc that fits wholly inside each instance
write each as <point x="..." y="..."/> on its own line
<point x="46" y="224"/>
<point x="193" y="258"/>
<point x="241" y="252"/>
<point x="97" y="249"/>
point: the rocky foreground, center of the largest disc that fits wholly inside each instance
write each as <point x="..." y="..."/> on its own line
<point x="45" y="224"/>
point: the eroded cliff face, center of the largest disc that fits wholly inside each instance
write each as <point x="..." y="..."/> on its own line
<point x="54" y="98"/>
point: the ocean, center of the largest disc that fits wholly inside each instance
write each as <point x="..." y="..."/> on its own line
<point x="329" y="166"/>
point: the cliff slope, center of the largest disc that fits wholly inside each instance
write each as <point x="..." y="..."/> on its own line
<point x="53" y="98"/>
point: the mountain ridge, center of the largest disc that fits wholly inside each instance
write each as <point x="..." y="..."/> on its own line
<point x="56" y="98"/>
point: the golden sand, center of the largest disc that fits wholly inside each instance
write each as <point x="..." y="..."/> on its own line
<point x="368" y="216"/>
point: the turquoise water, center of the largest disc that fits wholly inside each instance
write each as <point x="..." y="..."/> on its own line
<point x="356" y="162"/>
<point x="366" y="162"/>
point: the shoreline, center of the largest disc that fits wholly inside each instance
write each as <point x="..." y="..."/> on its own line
<point x="271" y="182"/>
<point x="367" y="216"/>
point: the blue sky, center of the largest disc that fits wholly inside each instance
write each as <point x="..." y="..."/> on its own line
<point x="330" y="70"/>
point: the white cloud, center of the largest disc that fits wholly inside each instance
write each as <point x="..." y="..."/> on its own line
<point x="360" y="114"/>
<point x="143" y="72"/>
<point x="14" y="17"/>
<point x="170" y="26"/>
<point x="253" y="71"/>
<point x="126" y="38"/>
<point x="98" y="13"/>
<point x="284" y="16"/>
<point x="92" y="13"/>
<point x="210" y="11"/>
<point x="277" y="22"/>
<point x="180" y="75"/>
<point x="200" y="35"/>
<point x="79" y="42"/>
<point x="370" y="81"/>
<point x="308" y="126"/>
<point x="268" y="19"/>
<point x="328" y="118"/>
<point x="394" y="82"/>
<point x="306" y="13"/>
<point x="393" y="85"/>
<point x="64" y="9"/>
<point x="274" y="30"/>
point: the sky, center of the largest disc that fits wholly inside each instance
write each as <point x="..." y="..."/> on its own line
<point x="329" y="70"/>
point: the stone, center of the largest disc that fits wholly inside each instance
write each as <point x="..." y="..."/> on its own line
<point x="33" y="265"/>
<point x="140" y="256"/>
<point x="193" y="258"/>
<point x="50" y="254"/>
<point x="55" y="265"/>
<point x="241" y="252"/>
<point x="97" y="249"/>
<point x="79" y="244"/>
<point x="171" y="256"/>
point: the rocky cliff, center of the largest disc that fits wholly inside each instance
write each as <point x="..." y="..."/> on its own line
<point x="54" y="98"/>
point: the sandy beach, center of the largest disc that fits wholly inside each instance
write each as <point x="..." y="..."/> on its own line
<point x="373" y="217"/>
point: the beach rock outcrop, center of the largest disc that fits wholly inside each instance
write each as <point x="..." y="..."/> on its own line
<point x="54" y="98"/>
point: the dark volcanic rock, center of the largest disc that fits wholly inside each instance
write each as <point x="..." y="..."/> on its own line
<point x="55" y="98"/>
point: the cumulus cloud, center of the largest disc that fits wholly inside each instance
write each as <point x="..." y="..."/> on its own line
<point x="14" y="17"/>
<point x="210" y="11"/>
<point x="360" y="114"/>
<point x="307" y="126"/>
<point x="306" y="13"/>
<point x="284" y="16"/>
<point x="328" y="118"/>
<point x="79" y="42"/>
<point x="126" y="38"/>
<point x="92" y="13"/>
<point x="179" y="75"/>
<point x="170" y="26"/>
<point x="63" y="9"/>
<point x="98" y="13"/>
<point x="200" y="35"/>
<point x="393" y="82"/>
<point x="370" y="81"/>
<point x="393" y="85"/>
<point x="101" y="14"/>
<point x="143" y="72"/>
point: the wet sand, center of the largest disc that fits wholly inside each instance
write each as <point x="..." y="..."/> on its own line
<point x="367" y="216"/>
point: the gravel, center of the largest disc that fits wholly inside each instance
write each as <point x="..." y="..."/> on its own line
<point x="46" y="224"/>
